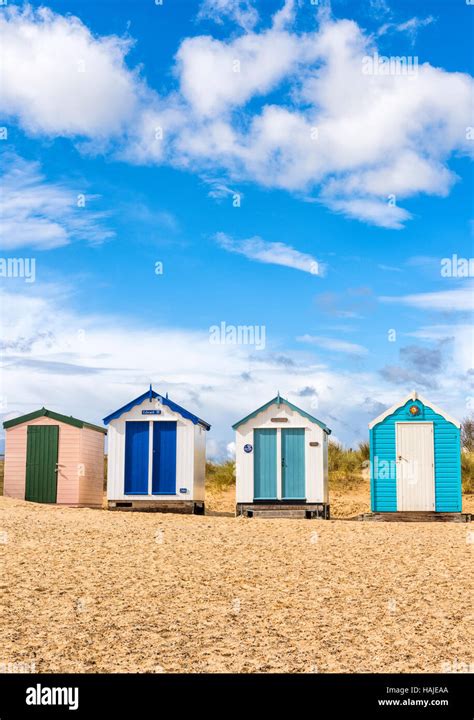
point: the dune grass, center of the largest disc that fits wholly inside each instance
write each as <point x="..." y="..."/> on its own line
<point x="467" y="470"/>
<point x="346" y="466"/>
<point x="220" y="476"/>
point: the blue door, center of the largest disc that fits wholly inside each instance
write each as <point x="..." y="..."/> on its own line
<point x="163" y="480"/>
<point x="265" y="464"/>
<point x="292" y="464"/>
<point x="136" y="457"/>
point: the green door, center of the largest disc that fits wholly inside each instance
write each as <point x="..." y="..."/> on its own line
<point x="292" y="464"/>
<point x="265" y="464"/>
<point x="41" y="460"/>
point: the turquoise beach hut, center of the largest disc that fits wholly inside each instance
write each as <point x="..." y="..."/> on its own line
<point x="415" y="458"/>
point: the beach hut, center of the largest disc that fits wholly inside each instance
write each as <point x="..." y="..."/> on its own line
<point x="281" y="462"/>
<point x="156" y="456"/>
<point x="415" y="458"/>
<point x="53" y="458"/>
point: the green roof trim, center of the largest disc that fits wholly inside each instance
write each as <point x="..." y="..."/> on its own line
<point x="69" y="420"/>
<point x="279" y="400"/>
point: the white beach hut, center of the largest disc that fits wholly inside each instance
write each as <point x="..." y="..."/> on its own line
<point x="156" y="456"/>
<point x="281" y="462"/>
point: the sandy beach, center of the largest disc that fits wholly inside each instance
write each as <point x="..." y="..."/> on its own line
<point x="89" y="590"/>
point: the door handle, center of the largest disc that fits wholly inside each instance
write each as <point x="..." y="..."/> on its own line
<point x="283" y="462"/>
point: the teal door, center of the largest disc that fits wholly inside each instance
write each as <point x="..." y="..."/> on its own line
<point x="292" y="464"/>
<point x="265" y="464"/>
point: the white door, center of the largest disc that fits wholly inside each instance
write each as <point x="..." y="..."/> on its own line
<point x="415" y="466"/>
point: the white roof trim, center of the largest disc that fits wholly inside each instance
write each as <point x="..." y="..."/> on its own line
<point x="413" y="396"/>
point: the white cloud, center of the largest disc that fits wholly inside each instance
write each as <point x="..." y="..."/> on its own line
<point x="108" y="360"/>
<point x="458" y="300"/>
<point x="241" y="12"/>
<point x="350" y="139"/>
<point x="43" y="215"/>
<point x="377" y="212"/>
<point x="284" y="17"/>
<point x="217" y="76"/>
<point x="337" y="135"/>
<point x="59" y="79"/>
<point x="231" y="450"/>
<point x="272" y="253"/>
<point x="333" y="344"/>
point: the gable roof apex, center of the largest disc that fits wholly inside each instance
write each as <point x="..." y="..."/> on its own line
<point x="279" y="400"/>
<point x="414" y="395"/>
<point x="151" y="394"/>
<point x="43" y="412"/>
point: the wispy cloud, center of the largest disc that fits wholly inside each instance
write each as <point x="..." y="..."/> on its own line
<point x="459" y="300"/>
<point x="377" y="212"/>
<point x="272" y="253"/>
<point x="389" y="268"/>
<point x="220" y="189"/>
<point x="39" y="214"/>
<point x="242" y="12"/>
<point x="333" y="344"/>
<point x="410" y="27"/>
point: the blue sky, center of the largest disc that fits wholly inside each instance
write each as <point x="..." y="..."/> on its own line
<point x="281" y="186"/>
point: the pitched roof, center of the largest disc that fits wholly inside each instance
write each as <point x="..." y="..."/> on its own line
<point x="165" y="401"/>
<point x="413" y="396"/>
<point x="68" y="419"/>
<point x="281" y="401"/>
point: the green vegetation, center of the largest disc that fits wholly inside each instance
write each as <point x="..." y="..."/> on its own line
<point x="467" y="456"/>
<point x="467" y="433"/>
<point x="467" y="470"/>
<point x="346" y="465"/>
<point x="221" y="476"/>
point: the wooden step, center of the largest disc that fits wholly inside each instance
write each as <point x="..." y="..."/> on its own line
<point x="415" y="516"/>
<point x="283" y="513"/>
<point x="283" y="510"/>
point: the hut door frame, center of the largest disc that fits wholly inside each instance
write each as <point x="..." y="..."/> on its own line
<point x="415" y="474"/>
<point x="41" y="472"/>
<point x="292" y="463"/>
